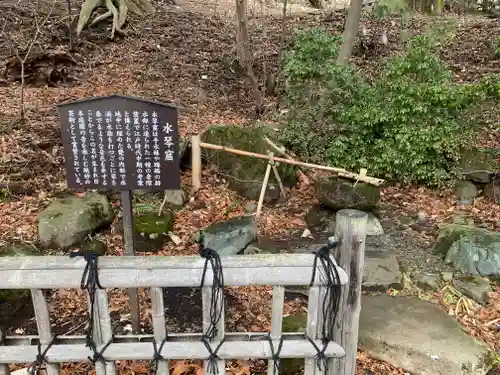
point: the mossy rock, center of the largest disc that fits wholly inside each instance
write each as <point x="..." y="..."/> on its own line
<point x="245" y="174"/>
<point x="151" y="231"/>
<point x="478" y="165"/>
<point x="338" y="193"/>
<point x="471" y="250"/>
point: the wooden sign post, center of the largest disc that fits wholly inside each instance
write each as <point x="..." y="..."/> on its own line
<point x="121" y="143"/>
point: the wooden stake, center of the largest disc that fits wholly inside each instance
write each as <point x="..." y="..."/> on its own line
<point x="264" y="187"/>
<point x="340" y="171"/>
<point x="196" y="161"/>
<point x="278" y="178"/>
<point x="350" y="231"/>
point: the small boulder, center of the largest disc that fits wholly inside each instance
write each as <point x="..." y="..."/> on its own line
<point x="67" y="221"/>
<point x="321" y="219"/>
<point x="475" y="288"/>
<point x="373" y="226"/>
<point x="465" y="191"/>
<point x="471" y="250"/>
<point x="175" y="198"/>
<point x="338" y="193"/>
<point x="151" y="230"/>
<point x="492" y="190"/>
<point x="245" y="174"/>
<point x="231" y="236"/>
<point x="477" y="165"/>
<point x="427" y="281"/>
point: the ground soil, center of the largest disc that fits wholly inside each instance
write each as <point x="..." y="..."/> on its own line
<point x="185" y="55"/>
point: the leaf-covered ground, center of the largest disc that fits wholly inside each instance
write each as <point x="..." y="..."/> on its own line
<point x="185" y="55"/>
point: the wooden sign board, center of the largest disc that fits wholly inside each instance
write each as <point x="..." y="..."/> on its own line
<point x="120" y="143"/>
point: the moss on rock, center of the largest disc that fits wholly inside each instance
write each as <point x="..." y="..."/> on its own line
<point x="244" y="173"/>
<point x="338" y="193"/>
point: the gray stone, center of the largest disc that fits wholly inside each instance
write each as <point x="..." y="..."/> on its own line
<point x="418" y="337"/>
<point x="381" y="271"/>
<point x="68" y="221"/>
<point x="250" y="207"/>
<point x="373" y="226"/>
<point x="492" y="190"/>
<point x="473" y="287"/>
<point x="321" y="219"/>
<point x="175" y="198"/>
<point x="447" y="276"/>
<point x="337" y="193"/>
<point x="471" y="250"/>
<point x="465" y="192"/>
<point x="427" y="281"/>
<point x="231" y="236"/>
<point x="478" y="165"/>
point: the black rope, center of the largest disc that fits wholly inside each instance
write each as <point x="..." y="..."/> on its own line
<point x="213" y="357"/>
<point x="331" y="300"/>
<point x="90" y="282"/>
<point x="275" y="355"/>
<point x="157" y="357"/>
<point x="211" y="256"/>
<point x="41" y="358"/>
<point x="98" y="356"/>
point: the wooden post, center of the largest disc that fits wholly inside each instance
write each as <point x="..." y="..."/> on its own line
<point x="196" y="161"/>
<point x="264" y="187"/>
<point x="4" y="369"/>
<point x="350" y="232"/>
<point x="128" y="237"/>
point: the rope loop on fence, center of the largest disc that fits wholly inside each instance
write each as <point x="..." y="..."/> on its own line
<point x="216" y="310"/>
<point x="41" y="358"/>
<point x="98" y="356"/>
<point x="275" y="354"/>
<point x="90" y="282"/>
<point x="213" y="357"/>
<point x="331" y="299"/>
<point x="157" y="357"/>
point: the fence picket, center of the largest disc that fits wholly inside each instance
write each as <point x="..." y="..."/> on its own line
<point x="4" y="369"/>
<point x="43" y="325"/>
<point x="159" y="328"/>
<point x="206" y="295"/>
<point x="105" y="325"/>
<point x="276" y="321"/>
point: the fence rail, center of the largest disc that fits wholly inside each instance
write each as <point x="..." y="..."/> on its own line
<point x="158" y="272"/>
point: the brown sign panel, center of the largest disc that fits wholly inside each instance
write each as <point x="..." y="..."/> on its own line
<point x="120" y="143"/>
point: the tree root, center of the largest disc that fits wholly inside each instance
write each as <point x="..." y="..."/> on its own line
<point x="118" y="9"/>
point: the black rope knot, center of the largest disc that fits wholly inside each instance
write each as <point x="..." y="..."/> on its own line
<point x="320" y="357"/>
<point x="211" y="256"/>
<point x="41" y="357"/>
<point x="213" y="357"/>
<point x="90" y="275"/>
<point x="275" y="355"/>
<point x="157" y="357"/>
<point x="98" y="356"/>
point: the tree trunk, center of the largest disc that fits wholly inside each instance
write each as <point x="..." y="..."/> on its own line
<point x="350" y="32"/>
<point x="243" y="49"/>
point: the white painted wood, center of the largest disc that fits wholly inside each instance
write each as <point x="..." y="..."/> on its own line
<point x="206" y="295"/>
<point x="123" y="272"/>
<point x="105" y="323"/>
<point x="276" y="322"/>
<point x="351" y="232"/>
<point x="314" y="315"/>
<point x="159" y="328"/>
<point x="4" y="368"/>
<point x="297" y="348"/>
<point x="100" y="368"/>
<point x="43" y="326"/>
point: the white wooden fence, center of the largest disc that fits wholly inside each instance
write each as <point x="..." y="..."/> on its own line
<point x="157" y="272"/>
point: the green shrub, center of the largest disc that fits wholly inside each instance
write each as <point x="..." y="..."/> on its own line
<point x="406" y="125"/>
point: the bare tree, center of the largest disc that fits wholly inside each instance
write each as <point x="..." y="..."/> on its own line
<point x="350" y="31"/>
<point x="22" y="53"/>
<point x="243" y="49"/>
<point x="70" y="31"/>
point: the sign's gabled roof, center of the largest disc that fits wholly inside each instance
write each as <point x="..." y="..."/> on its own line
<point x="100" y="98"/>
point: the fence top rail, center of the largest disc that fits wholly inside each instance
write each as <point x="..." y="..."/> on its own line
<point x="161" y="271"/>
